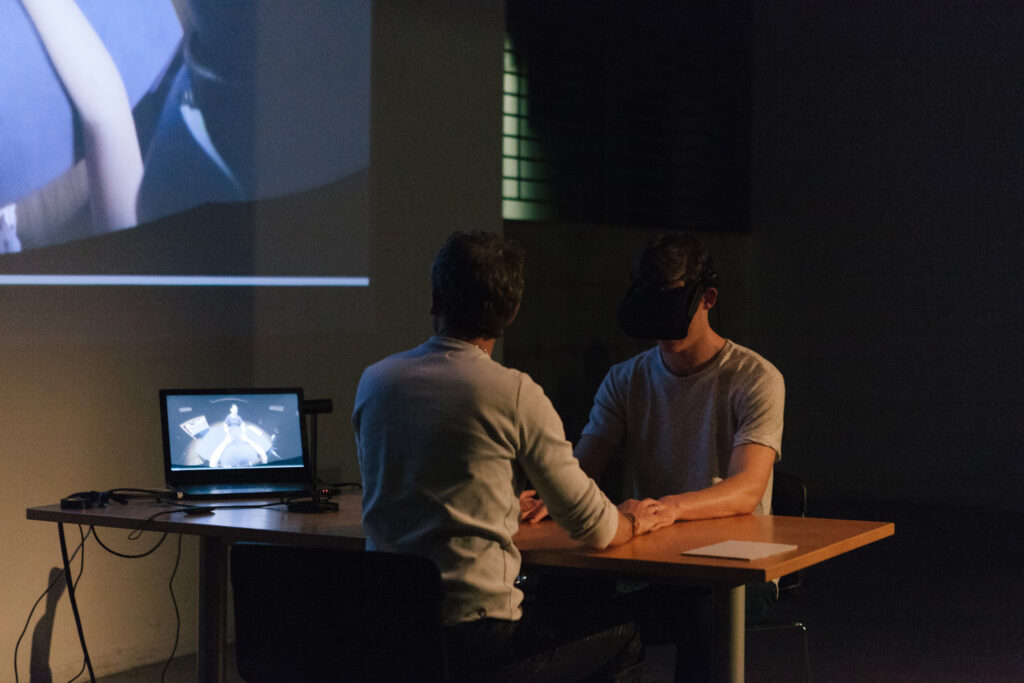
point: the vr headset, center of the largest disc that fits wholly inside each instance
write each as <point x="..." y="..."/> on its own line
<point x="652" y="312"/>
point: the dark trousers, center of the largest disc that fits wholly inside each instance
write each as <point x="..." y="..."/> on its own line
<point x="591" y="642"/>
<point x="664" y="614"/>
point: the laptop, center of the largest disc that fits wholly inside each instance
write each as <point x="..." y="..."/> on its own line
<point x="221" y="443"/>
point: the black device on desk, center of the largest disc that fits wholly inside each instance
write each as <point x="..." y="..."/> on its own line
<point x="235" y="443"/>
<point x="319" y="499"/>
<point x="85" y="500"/>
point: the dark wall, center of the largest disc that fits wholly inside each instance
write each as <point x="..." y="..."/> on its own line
<point x="880" y="270"/>
<point x="635" y="113"/>
<point x="888" y="183"/>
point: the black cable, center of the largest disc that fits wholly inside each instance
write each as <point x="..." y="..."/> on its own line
<point x="138" y="531"/>
<point x="71" y="596"/>
<point x="177" y="614"/>
<point x="96" y="535"/>
<point x="718" y="319"/>
<point x="28" y="620"/>
<point x="75" y="677"/>
<point x="184" y="507"/>
<point x="123" y="495"/>
<point x="143" y="493"/>
<point x="141" y="528"/>
<point x="174" y="601"/>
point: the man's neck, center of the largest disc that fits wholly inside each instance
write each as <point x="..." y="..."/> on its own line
<point x="485" y="344"/>
<point x="683" y="357"/>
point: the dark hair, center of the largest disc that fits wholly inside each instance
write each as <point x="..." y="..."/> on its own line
<point x="670" y="257"/>
<point x="479" y="280"/>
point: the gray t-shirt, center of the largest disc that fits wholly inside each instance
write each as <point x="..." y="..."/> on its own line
<point x="677" y="433"/>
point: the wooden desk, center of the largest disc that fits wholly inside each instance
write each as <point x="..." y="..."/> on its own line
<point x="654" y="557"/>
<point x="658" y="557"/>
<point x="216" y="533"/>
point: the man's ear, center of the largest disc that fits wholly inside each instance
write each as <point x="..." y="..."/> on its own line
<point x="514" y="314"/>
<point x="709" y="298"/>
<point x="435" y="302"/>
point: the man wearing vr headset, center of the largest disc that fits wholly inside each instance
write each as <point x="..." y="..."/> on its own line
<point x="697" y="419"/>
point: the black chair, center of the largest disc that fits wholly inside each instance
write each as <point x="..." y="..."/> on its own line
<point x="318" y="614"/>
<point x="789" y="498"/>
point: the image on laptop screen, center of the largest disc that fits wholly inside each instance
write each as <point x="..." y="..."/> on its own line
<point x="233" y="436"/>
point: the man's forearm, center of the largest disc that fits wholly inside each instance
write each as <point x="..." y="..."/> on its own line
<point x="750" y="468"/>
<point x="625" y="531"/>
<point x="727" y="498"/>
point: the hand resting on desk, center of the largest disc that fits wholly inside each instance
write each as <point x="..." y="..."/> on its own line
<point x="531" y="508"/>
<point x="650" y="514"/>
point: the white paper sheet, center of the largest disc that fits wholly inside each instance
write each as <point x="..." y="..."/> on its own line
<point x="740" y="550"/>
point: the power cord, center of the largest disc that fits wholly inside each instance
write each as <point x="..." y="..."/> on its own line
<point x="96" y="535"/>
<point x="56" y="580"/>
<point x="143" y="494"/>
<point x="135" y="533"/>
<point x="177" y="613"/>
<point x="170" y="586"/>
<point x="87" y="664"/>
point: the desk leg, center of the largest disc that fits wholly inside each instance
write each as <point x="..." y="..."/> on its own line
<point x="213" y="603"/>
<point x="729" y="638"/>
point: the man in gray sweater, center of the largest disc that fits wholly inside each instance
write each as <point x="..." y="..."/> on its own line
<point x="446" y="439"/>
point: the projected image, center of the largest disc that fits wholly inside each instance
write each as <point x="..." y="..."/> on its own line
<point x="117" y="113"/>
<point x="234" y="431"/>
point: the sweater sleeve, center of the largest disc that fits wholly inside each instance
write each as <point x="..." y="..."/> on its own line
<point x="573" y="499"/>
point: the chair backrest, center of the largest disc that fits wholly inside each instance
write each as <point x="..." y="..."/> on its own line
<point x="319" y="614"/>
<point x="789" y="495"/>
<point x="789" y="498"/>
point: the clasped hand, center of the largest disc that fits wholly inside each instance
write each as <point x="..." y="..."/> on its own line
<point x="650" y="514"/>
<point x="531" y="508"/>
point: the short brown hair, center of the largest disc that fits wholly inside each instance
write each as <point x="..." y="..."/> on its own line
<point x="479" y="278"/>
<point x="670" y="257"/>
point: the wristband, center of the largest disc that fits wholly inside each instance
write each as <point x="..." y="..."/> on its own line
<point x="632" y="520"/>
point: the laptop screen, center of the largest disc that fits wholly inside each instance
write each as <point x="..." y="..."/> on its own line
<point x="233" y="436"/>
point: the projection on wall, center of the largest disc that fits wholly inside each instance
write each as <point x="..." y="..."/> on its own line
<point x="185" y="142"/>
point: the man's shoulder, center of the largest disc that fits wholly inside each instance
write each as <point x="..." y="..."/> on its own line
<point x="744" y="362"/>
<point x="437" y="356"/>
<point x="394" y="362"/>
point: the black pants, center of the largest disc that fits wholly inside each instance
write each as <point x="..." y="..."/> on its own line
<point x="664" y="614"/>
<point x="590" y="642"/>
